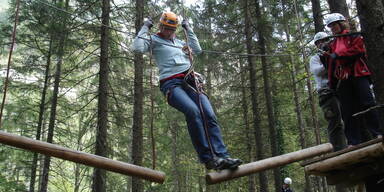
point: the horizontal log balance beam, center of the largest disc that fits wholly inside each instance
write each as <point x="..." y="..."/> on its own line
<point x="269" y="163"/>
<point x="81" y="157"/>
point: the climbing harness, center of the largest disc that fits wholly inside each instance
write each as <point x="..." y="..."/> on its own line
<point x="340" y="73"/>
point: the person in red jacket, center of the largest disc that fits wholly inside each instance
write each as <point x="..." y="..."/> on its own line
<point x="349" y="74"/>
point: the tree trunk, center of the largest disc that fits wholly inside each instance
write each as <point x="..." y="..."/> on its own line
<point x="41" y="160"/>
<point x="317" y="16"/>
<point x="372" y="25"/>
<point x="260" y="26"/>
<point x="41" y="117"/>
<point x="52" y="118"/>
<point x="299" y="116"/>
<point x="296" y="97"/>
<point x="250" y="141"/>
<point x="177" y="182"/>
<point x="77" y="167"/>
<point x="99" y="175"/>
<point x="263" y="180"/>
<point x="338" y="6"/>
<point x="137" y="127"/>
<point x="209" y="62"/>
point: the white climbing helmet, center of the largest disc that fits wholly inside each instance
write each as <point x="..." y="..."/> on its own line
<point x="333" y="17"/>
<point x="288" y="181"/>
<point x="319" y="36"/>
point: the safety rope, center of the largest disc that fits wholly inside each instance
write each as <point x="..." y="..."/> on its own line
<point x="166" y="44"/>
<point x="222" y="52"/>
<point x="152" y="108"/>
<point x="198" y="90"/>
<point x="9" y="60"/>
<point x="368" y="110"/>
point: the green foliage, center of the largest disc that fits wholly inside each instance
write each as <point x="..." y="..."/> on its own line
<point x="219" y="26"/>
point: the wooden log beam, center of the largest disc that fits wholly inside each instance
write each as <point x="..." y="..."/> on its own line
<point x="346" y="159"/>
<point x="337" y="153"/>
<point x="81" y="157"/>
<point x="269" y="163"/>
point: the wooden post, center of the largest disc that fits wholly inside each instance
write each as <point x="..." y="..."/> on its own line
<point x="81" y="157"/>
<point x="269" y="163"/>
<point x="346" y="159"/>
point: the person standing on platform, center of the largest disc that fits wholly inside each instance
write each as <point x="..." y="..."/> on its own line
<point x="328" y="100"/>
<point x="348" y="73"/>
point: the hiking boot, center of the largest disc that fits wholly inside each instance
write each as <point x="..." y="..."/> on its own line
<point x="216" y="163"/>
<point x="231" y="163"/>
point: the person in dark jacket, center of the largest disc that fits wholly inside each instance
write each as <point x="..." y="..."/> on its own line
<point x="348" y="73"/>
<point x="286" y="185"/>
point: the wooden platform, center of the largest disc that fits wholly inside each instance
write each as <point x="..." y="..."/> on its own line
<point x="349" y="166"/>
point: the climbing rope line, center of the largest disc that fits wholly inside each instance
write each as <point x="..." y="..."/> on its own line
<point x="9" y="59"/>
<point x="133" y="34"/>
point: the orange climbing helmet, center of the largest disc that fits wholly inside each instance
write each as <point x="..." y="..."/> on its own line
<point x="169" y="19"/>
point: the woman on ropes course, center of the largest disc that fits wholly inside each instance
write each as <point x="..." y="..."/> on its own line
<point x="349" y="74"/>
<point x="183" y="91"/>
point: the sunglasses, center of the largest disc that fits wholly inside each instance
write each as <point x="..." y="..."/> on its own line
<point x="172" y="22"/>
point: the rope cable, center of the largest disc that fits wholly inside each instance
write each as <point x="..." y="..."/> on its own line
<point x="153" y="143"/>
<point x="133" y="34"/>
<point x="9" y="59"/>
<point x="198" y="90"/>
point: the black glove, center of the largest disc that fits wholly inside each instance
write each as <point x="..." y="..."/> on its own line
<point x="148" y="23"/>
<point x="325" y="47"/>
<point x="185" y="24"/>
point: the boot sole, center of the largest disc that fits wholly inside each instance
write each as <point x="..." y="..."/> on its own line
<point x="235" y="166"/>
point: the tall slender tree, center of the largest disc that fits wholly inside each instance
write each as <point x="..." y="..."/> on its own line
<point x="339" y="6"/>
<point x="137" y="127"/>
<point x="52" y="119"/>
<point x="317" y="16"/>
<point x="250" y="141"/>
<point x="99" y="175"/>
<point x="41" y="116"/>
<point x="261" y="26"/>
<point x="296" y="98"/>
<point x="263" y="180"/>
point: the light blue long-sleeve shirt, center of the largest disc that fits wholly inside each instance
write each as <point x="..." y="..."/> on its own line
<point x="170" y="60"/>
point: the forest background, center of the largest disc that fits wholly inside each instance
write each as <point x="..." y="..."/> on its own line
<point x="75" y="82"/>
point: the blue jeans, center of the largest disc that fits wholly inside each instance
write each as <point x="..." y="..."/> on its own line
<point x="186" y="100"/>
